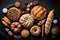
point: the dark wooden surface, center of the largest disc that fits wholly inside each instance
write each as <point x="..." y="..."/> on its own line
<point x="48" y="4"/>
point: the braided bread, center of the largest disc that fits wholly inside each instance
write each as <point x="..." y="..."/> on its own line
<point x="26" y="20"/>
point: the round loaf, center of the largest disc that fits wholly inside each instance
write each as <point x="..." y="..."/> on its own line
<point x="26" y="20"/>
<point x="14" y="13"/>
<point x="38" y="12"/>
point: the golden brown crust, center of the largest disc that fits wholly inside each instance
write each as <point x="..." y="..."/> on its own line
<point x="6" y="21"/>
<point x="5" y="24"/>
<point x="25" y="33"/>
<point x="35" y="30"/>
<point x="17" y="4"/>
<point x="37" y="9"/>
<point x="15" y="26"/>
<point x="14" y="13"/>
<point x="49" y="21"/>
<point x="38" y="12"/>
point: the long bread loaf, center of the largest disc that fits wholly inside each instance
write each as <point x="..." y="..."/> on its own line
<point x="49" y="22"/>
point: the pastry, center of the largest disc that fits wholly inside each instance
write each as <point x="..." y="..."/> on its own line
<point x="26" y="20"/>
<point x="14" y="13"/>
<point x="35" y="30"/>
<point x="31" y="4"/>
<point x="41" y="22"/>
<point x="55" y="30"/>
<point x="6" y="29"/>
<point x="15" y="26"/>
<point x="28" y="9"/>
<point x="49" y="22"/>
<point x="25" y="33"/>
<point x="38" y="12"/>
<point x="6" y="21"/>
<point x="10" y="33"/>
<point x="17" y="4"/>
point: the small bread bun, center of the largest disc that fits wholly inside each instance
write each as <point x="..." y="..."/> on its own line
<point x="25" y="33"/>
<point x="15" y="26"/>
<point x="17" y="4"/>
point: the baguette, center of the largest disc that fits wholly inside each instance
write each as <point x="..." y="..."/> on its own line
<point x="49" y="22"/>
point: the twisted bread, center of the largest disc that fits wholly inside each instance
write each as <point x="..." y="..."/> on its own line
<point x="49" y="21"/>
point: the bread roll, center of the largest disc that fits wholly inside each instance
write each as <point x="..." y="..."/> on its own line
<point x="26" y="20"/>
<point x="38" y="12"/>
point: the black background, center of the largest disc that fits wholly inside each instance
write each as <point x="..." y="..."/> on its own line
<point x="48" y="4"/>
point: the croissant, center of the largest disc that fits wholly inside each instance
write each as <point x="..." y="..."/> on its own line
<point x="49" y="21"/>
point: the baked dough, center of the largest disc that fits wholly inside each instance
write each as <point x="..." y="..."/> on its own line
<point x="14" y="13"/>
<point x="26" y="20"/>
<point x="35" y="30"/>
<point x="17" y="4"/>
<point x="25" y="33"/>
<point x="39" y="12"/>
<point x="49" y="21"/>
<point x="6" y="21"/>
<point x="15" y="26"/>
